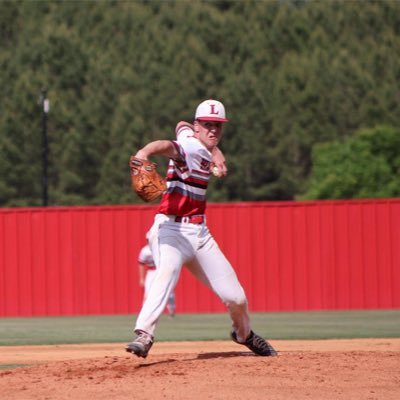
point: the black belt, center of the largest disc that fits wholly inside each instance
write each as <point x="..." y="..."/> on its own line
<point x="191" y="219"/>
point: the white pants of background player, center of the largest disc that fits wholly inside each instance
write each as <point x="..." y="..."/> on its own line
<point x="176" y="243"/>
<point x="148" y="280"/>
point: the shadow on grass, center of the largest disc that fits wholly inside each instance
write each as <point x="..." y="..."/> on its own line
<point x="12" y="366"/>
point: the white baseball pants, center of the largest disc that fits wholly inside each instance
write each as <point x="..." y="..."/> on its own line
<point x="176" y="243"/>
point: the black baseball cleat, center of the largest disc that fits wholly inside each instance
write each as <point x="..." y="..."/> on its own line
<point x="141" y="345"/>
<point x="257" y="345"/>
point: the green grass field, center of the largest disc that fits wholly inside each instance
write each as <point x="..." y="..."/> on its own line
<point x="278" y="326"/>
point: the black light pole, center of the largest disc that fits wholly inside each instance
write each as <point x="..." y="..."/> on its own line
<point x="45" y="146"/>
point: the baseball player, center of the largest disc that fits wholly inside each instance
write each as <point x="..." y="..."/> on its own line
<point x="180" y="235"/>
<point x="147" y="271"/>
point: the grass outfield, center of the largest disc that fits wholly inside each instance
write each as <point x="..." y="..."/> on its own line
<point x="277" y="325"/>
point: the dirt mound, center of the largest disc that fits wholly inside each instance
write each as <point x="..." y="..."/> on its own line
<point x="347" y="369"/>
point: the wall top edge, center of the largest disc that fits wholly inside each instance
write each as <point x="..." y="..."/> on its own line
<point x="151" y="207"/>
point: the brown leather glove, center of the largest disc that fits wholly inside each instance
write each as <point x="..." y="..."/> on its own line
<point x="145" y="180"/>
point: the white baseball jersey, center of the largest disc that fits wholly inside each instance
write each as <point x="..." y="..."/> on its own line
<point x="187" y="177"/>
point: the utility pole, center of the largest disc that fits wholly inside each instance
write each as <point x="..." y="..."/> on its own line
<point x="45" y="104"/>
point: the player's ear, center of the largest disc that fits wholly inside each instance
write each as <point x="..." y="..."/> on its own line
<point x="196" y="125"/>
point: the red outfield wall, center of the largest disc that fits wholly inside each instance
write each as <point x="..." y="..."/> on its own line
<point x="288" y="255"/>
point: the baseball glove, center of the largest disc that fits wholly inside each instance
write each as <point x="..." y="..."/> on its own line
<point x="145" y="180"/>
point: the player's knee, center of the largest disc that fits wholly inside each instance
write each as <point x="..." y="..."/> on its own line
<point x="239" y="300"/>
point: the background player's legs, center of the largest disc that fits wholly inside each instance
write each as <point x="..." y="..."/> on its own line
<point x="171" y="306"/>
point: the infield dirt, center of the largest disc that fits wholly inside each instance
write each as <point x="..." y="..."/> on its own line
<point x="367" y="369"/>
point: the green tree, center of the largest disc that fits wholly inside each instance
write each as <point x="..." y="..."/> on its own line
<point x="366" y="165"/>
<point x="292" y="74"/>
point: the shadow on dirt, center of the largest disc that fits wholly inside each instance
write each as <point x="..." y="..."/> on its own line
<point x="206" y="356"/>
<point x="169" y="361"/>
<point x="201" y="356"/>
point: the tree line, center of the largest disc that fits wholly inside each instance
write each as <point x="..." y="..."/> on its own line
<point x="296" y="77"/>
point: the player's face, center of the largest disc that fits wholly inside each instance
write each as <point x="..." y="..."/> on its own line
<point x="209" y="133"/>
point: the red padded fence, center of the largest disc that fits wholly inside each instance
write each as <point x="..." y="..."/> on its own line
<point x="288" y="255"/>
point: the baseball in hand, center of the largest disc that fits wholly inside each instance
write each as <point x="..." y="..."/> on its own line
<point x="215" y="171"/>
